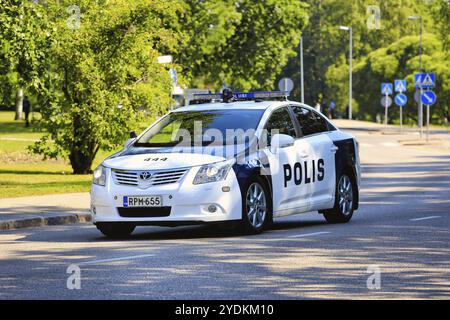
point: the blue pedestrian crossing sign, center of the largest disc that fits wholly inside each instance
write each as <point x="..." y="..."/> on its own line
<point x="424" y="80"/>
<point x="400" y="86"/>
<point x="386" y="88"/>
<point x="428" y="98"/>
<point x="400" y="99"/>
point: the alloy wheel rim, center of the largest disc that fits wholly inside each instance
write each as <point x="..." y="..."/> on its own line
<point x="345" y="195"/>
<point x="256" y="205"/>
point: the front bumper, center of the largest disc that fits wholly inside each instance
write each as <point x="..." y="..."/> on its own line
<point x="187" y="202"/>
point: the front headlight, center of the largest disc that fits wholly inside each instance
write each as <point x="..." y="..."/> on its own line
<point x="99" y="176"/>
<point x="213" y="172"/>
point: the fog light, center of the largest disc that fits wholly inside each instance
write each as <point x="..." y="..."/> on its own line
<point x="226" y="189"/>
<point x="212" y="208"/>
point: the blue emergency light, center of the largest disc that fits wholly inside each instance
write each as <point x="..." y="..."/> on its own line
<point x="228" y="96"/>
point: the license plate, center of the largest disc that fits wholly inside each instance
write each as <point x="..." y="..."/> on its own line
<point x="150" y="201"/>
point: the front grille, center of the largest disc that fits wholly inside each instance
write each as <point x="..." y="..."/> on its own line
<point x="157" y="178"/>
<point x="144" y="212"/>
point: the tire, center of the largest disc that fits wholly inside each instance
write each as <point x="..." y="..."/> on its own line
<point x="116" y="230"/>
<point x="256" y="206"/>
<point x="344" y="204"/>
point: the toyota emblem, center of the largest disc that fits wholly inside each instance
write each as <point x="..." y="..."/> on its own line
<point x="145" y="175"/>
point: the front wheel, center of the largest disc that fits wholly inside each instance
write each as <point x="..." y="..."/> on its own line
<point x="116" y="230"/>
<point x="344" y="204"/>
<point x="256" y="206"/>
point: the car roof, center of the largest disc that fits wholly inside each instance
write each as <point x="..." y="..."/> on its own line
<point x="258" y="105"/>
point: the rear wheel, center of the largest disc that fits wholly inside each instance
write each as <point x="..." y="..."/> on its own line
<point x="116" y="230"/>
<point x="344" y="204"/>
<point x="256" y="206"/>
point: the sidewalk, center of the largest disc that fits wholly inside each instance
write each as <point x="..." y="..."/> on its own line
<point x="37" y="211"/>
<point x="439" y="137"/>
<point x="372" y="126"/>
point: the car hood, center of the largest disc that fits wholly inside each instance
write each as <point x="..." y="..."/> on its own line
<point x="160" y="161"/>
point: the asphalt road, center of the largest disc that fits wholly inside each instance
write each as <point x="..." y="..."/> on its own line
<point x="402" y="229"/>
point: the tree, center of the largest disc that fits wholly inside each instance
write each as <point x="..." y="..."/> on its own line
<point x="102" y="73"/>
<point x="400" y="60"/>
<point x="243" y="44"/>
<point x="326" y="47"/>
<point x="25" y="37"/>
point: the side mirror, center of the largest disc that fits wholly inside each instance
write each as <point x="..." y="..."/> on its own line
<point x="133" y="134"/>
<point x="280" y="141"/>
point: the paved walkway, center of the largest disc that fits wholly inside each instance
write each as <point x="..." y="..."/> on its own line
<point x="44" y="210"/>
<point x="439" y="137"/>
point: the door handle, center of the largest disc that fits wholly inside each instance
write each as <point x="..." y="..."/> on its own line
<point x="334" y="149"/>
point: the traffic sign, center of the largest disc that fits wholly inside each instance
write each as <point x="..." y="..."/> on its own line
<point x="386" y="101"/>
<point x="286" y="84"/>
<point x="386" y="88"/>
<point x="400" y="86"/>
<point x="428" y="98"/>
<point x="424" y="80"/>
<point x="400" y="99"/>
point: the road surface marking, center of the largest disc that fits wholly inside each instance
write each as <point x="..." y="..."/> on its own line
<point x="389" y="144"/>
<point x="308" y="234"/>
<point x="425" y="218"/>
<point x="115" y="259"/>
<point x="366" y="145"/>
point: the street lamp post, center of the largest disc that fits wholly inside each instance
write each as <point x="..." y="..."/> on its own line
<point x="350" y="58"/>
<point x="167" y="60"/>
<point x="302" y="87"/>
<point x="420" y="111"/>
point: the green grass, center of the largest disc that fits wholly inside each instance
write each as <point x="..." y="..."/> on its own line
<point x="9" y="128"/>
<point x="24" y="174"/>
<point x="25" y="179"/>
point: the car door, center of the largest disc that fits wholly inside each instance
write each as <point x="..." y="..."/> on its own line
<point x="287" y="194"/>
<point x="317" y="151"/>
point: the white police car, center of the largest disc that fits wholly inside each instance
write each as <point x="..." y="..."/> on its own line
<point x="245" y="158"/>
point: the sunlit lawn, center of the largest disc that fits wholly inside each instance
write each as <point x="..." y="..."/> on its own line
<point x="23" y="174"/>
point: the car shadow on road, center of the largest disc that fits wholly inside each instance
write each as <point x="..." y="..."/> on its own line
<point x="59" y="234"/>
<point x="204" y="262"/>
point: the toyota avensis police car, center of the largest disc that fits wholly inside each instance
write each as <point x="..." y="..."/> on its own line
<point x="241" y="157"/>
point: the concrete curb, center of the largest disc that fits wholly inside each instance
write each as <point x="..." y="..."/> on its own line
<point x="48" y="219"/>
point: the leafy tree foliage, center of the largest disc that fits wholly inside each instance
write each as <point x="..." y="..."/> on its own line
<point x="25" y="37"/>
<point x="96" y="75"/>
<point x="243" y="44"/>
<point x="400" y="59"/>
<point x="326" y="50"/>
<point x="98" y="72"/>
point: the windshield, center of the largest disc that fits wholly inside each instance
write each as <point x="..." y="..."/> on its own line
<point x="200" y="128"/>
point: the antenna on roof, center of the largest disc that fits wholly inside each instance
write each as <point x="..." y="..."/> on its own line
<point x="227" y="95"/>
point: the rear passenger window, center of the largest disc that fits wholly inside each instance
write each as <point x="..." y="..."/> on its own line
<point x="310" y="121"/>
<point x="280" y="120"/>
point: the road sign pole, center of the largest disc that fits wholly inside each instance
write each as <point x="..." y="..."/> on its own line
<point x="420" y="114"/>
<point x="428" y="122"/>
<point x="401" y="119"/>
<point x="420" y="67"/>
<point x="386" y="113"/>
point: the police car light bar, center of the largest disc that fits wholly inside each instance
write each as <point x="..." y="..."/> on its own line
<point x="241" y="96"/>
